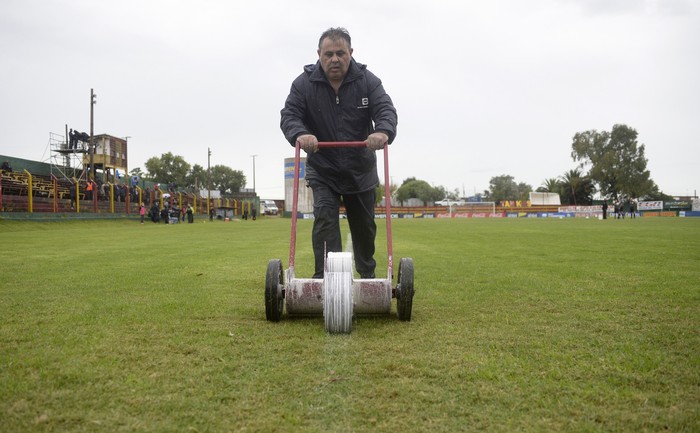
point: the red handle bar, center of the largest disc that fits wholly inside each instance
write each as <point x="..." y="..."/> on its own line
<point x="331" y="144"/>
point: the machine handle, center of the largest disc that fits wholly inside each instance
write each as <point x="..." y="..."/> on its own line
<point x="335" y="144"/>
<point x="387" y="195"/>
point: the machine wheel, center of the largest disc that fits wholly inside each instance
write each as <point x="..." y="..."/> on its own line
<point x="404" y="290"/>
<point x="337" y="293"/>
<point x="274" y="302"/>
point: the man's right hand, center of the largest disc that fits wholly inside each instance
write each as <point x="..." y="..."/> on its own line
<point x="308" y="143"/>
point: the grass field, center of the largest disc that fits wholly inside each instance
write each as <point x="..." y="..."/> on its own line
<point x="518" y="325"/>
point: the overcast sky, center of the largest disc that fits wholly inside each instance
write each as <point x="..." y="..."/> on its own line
<point x="482" y="88"/>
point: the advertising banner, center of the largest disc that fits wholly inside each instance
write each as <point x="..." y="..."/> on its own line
<point x="650" y="205"/>
<point x="581" y="209"/>
<point x="669" y="213"/>
<point x="677" y="205"/>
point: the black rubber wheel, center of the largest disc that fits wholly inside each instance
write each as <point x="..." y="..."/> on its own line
<point x="274" y="302"/>
<point x="404" y="290"/>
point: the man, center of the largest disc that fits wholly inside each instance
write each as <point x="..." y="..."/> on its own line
<point x="72" y="140"/>
<point x="605" y="209"/>
<point x="338" y="99"/>
<point x="72" y="193"/>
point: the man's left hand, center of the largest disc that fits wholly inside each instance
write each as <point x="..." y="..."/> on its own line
<point x="377" y="141"/>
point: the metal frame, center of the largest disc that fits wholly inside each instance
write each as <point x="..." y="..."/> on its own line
<point x="371" y="296"/>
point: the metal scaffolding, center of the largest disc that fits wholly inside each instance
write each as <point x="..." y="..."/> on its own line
<point x="66" y="162"/>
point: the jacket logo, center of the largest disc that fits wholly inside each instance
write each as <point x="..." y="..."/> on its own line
<point x="365" y="101"/>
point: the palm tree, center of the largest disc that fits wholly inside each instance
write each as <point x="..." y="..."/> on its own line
<point x="551" y="185"/>
<point x="576" y="189"/>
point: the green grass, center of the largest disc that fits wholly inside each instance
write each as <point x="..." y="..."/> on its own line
<point x="518" y="325"/>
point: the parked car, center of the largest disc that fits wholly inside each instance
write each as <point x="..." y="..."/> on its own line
<point x="448" y="202"/>
<point x="268" y="207"/>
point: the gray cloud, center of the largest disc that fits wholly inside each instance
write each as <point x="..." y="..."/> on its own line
<point x="482" y="88"/>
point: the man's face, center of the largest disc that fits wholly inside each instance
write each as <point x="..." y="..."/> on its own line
<point x="335" y="58"/>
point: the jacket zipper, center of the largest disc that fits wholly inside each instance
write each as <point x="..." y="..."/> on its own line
<point x="337" y="100"/>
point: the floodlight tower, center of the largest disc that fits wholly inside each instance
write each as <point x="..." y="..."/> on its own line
<point x="253" y="156"/>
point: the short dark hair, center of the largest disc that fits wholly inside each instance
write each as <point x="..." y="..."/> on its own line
<point x="335" y="33"/>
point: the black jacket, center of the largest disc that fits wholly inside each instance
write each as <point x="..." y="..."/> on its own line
<point x="360" y="108"/>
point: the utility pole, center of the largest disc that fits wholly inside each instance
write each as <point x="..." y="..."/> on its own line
<point x="253" y="156"/>
<point x="91" y="145"/>
<point x="208" y="181"/>
<point x="125" y="151"/>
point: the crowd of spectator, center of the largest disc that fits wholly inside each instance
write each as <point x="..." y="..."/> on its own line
<point x="170" y="214"/>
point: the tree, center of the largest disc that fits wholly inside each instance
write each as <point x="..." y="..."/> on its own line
<point x="420" y="189"/>
<point x="576" y="189"/>
<point x="227" y="180"/>
<point x="380" y="192"/>
<point x="137" y="172"/>
<point x="404" y="193"/>
<point x="439" y="192"/>
<point x="615" y="162"/>
<point x="168" y="168"/>
<point x="503" y="188"/>
<point x="197" y="178"/>
<point x="551" y="185"/>
<point x="655" y="194"/>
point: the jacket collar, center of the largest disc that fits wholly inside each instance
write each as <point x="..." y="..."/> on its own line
<point x="316" y="73"/>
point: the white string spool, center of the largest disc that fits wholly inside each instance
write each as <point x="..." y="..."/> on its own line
<point x="337" y="293"/>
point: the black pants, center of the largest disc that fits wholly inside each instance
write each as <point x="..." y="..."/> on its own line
<point x="325" y="236"/>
